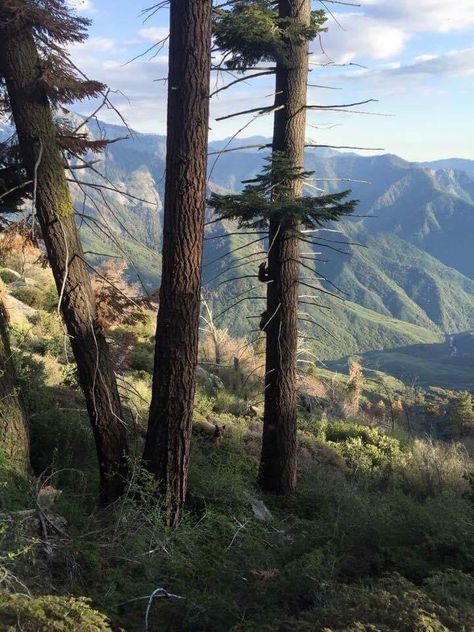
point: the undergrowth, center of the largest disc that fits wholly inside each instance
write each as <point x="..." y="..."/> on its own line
<point x="379" y="536"/>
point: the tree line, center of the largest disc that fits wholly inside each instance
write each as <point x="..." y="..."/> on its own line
<point x="37" y="76"/>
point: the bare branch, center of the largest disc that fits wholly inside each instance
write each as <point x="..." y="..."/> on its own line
<point x="226" y="151"/>
<point x="337" y="105"/>
<point x="255" y="241"/>
<point x="232" y="83"/>
<point x="263" y="110"/>
<point x="345" y="147"/>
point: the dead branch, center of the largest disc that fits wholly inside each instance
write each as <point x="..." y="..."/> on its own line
<point x="232" y="83"/>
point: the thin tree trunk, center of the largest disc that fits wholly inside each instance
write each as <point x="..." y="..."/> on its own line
<point x="20" y="66"/>
<point x="167" y="445"/>
<point x="278" y="464"/>
<point x="14" y="437"/>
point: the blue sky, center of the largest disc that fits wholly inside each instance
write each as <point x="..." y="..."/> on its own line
<point x="418" y="58"/>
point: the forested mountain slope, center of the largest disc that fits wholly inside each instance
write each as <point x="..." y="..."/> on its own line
<point x="410" y="281"/>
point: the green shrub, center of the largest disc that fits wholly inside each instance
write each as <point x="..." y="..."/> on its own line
<point x="9" y="276"/>
<point x="30" y="377"/>
<point x="30" y="295"/>
<point x="50" y="614"/>
<point x="50" y="336"/>
<point x="50" y="300"/>
<point x="61" y="438"/>
<point x="390" y="605"/>
<point x="453" y="588"/>
<point x="363" y="448"/>
<point x="142" y="357"/>
<point x="225" y="402"/>
<point x="15" y="490"/>
<point x="203" y="404"/>
<point x="431" y="468"/>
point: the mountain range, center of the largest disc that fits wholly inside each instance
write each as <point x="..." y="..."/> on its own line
<point x="403" y="265"/>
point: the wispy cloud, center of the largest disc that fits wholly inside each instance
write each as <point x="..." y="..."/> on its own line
<point x="383" y="28"/>
<point x="452" y="64"/>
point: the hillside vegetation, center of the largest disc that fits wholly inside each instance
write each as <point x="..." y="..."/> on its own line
<point x="379" y="536"/>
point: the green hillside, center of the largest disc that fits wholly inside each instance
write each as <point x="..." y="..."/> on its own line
<point x="410" y="283"/>
<point x="447" y="364"/>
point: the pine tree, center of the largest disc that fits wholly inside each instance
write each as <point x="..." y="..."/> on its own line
<point x="36" y="76"/>
<point x="461" y="415"/>
<point x="167" y="445"/>
<point x="252" y="32"/>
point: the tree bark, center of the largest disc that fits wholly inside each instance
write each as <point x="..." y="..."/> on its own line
<point x="167" y="445"/>
<point x="278" y="465"/>
<point x="20" y="66"/>
<point x="14" y="436"/>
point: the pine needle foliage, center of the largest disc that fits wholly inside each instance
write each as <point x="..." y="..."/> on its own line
<point x="54" y="26"/>
<point x="270" y="196"/>
<point x="252" y="32"/>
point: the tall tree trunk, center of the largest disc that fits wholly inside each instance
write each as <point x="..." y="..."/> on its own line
<point x="278" y="464"/>
<point x="21" y="68"/>
<point x="14" y="438"/>
<point x="167" y="445"/>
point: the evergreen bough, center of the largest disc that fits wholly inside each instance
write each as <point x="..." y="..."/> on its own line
<point x="253" y="32"/>
<point x="258" y="203"/>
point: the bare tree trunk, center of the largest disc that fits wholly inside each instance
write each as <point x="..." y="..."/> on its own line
<point x="278" y="464"/>
<point x="21" y="68"/>
<point x="167" y="445"/>
<point x="14" y="437"/>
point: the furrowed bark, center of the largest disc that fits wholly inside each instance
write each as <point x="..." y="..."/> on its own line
<point x="14" y="436"/>
<point x="278" y="466"/>
<point x="20" y="66"/>
<point x="167" y="444"/>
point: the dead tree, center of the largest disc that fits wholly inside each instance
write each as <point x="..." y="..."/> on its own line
<point x="37" y="76"/>
<point x="167" y="444"/>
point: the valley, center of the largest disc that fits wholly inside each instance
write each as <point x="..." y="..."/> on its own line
<point x="402" y="266"/>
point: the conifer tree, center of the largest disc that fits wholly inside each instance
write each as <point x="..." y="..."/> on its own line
<point x="167" y="446"/>
<point x="251" y="32"/>
<point x="461" y="415"/>
<point x="36" y="76"/>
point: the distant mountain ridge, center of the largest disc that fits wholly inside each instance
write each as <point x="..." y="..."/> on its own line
<point x="411" y="281"/>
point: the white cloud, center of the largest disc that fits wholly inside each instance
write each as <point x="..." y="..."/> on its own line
<point x="362" y="37"/>
<point x="102" y="44"/>
<point x="397" y="77"/>
<point x="418" y="16"/>
<point x="154" y="34"/>
<point x="454" y="63"/>
<point x="382" y="28"/>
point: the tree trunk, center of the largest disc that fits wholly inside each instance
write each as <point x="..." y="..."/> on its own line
<point x="278" y="464"/>
<point x="167" y="445"/>
<point x="21" y="68"/>
<point x="14" y="439"/>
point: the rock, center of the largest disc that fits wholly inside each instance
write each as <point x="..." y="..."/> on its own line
<point x="203" y="428"/>
<point x="210" y="382"/>
<point x="47" y="496"/>
<point x="261" y="512"/>
<point x="279" y="537"/>
<point x="23" y="282"/>
<point x="19" y="312"/>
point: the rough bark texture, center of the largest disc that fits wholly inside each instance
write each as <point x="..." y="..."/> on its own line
<point x="14" y="439"/>
<point x="167" y="445"/>
<point x="278" y="459"/>
<point x="21" y="68"/>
